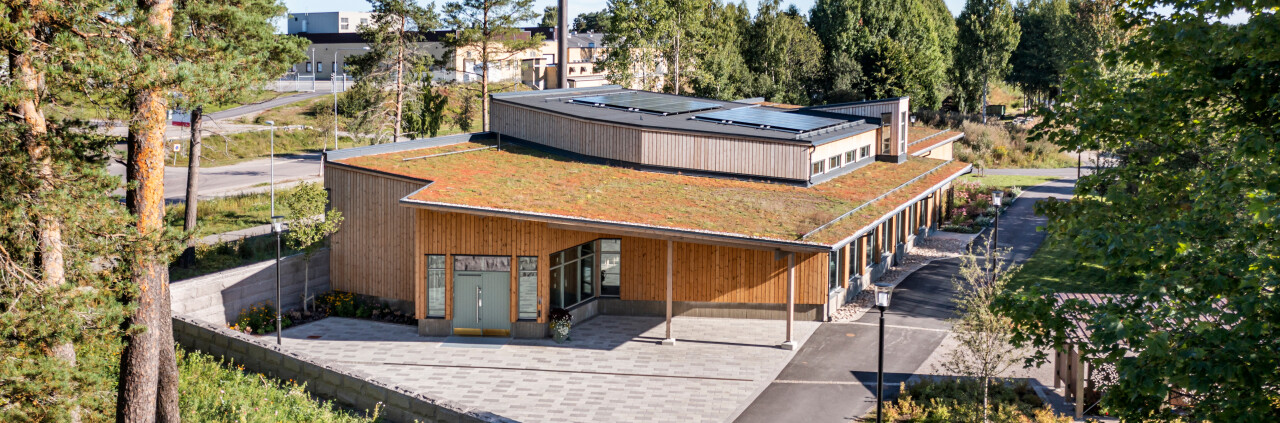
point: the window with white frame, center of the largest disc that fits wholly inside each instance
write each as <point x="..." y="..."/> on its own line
<point x="610" y="267"/>
<point x="850" y="156"/>
<point x="834" y="162"/>
<point x="819" y="167"/>
<point x="435" y="285"/>
<point x="866" y="151"/>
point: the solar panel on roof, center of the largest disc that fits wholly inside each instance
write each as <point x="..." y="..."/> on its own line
<point x="769" y="119"/>
<point x="646" y="102"/>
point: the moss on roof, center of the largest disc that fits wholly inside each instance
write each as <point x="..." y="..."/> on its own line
<point x="526" y="180"/>
<point x="920" y="138"/>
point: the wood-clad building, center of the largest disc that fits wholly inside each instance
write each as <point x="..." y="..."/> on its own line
<point x="487" y="233"/>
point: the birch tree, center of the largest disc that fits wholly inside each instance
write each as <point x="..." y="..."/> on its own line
<point x="985" y="352"/>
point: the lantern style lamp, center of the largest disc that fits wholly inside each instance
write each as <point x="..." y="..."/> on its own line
<point x="884" y="292"/>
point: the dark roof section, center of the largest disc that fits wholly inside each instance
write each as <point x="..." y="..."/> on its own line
<point x="853" y="103"/>
<point x="559" y="102"/>
<point x="436" y="36"/>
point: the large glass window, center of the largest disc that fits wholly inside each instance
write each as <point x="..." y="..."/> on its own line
<point x="610" y="267"/>
<point x="835" y="265"/>
<point x="571" y="275"/>
<point x="528" y="288"/>
<point x="868" y="250"/>
<point x="435" y="285"/>
<point x="885" y="140"/>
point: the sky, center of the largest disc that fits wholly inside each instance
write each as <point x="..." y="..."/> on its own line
<point x="577" y="7"/>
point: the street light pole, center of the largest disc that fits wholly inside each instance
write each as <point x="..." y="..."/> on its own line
<point x="272" y="167"/>
<point x="277" y="227"/>
<point x="883" y="291"/>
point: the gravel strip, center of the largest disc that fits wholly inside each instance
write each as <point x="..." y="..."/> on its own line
<point x="924" y="252"/>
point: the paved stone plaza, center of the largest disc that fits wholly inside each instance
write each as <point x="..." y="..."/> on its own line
<point x="612" y="370"/>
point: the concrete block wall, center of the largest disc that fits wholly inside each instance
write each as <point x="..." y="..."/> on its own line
<point x="324" y="379"/>
<point x="219" y="297"/>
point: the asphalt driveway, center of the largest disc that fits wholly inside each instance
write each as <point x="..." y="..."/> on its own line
<point x="832" y="377"/>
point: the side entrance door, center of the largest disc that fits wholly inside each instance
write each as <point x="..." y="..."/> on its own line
<point x="482" y="298"/>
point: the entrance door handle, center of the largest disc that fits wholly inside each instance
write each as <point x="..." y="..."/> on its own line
<point x="479" y="302"/>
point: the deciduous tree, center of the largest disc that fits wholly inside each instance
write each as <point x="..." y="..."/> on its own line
<point x="784" y="55"/>
<point x="309" y="225"/>
<point x="1187" y="221"/>
<point x="986" y="36"/>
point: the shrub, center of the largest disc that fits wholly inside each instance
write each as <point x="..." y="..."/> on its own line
<point x="259" y="319"/>
<point x="343" y="304"/>
<point x="929" y="400"/>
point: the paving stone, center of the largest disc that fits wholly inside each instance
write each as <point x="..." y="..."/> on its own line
<point x="612" y="370"/>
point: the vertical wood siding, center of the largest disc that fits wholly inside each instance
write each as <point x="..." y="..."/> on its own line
<point x="705" y="273"/>
<point x="730" y="155"/>
<point x="372" y="253"/>
<point x="576" y="135"/>
<point x="649" y="147"/>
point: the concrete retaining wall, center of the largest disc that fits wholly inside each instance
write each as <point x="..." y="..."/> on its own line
<point x="219" y="297"/>
<point x="326" y="380"/>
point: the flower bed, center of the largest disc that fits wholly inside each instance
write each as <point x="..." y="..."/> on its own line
<point x="260" y="318"/>
<point x="971" y="207"/>
<point x="955" y="400"/>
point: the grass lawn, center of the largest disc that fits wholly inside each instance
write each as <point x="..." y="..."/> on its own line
<point x="229" y="213"/>
<point x="1055" y="266"/>
<point x="214" y="391"/>
<point x="1007" y="181"/>
<point x="229" y="255"/>
<point x="244" y="146"/>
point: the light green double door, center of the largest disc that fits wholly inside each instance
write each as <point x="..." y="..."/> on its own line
<point x="482" y="303"/>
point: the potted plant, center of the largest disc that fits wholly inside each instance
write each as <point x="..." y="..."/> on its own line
<point x="561" y="321"/>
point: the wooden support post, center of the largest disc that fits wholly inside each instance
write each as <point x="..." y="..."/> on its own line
<point x="670" y="271"/>
<point x="790" y="344"/>
<point x="1057" y="368"/>
<point x="1078" y="377"/>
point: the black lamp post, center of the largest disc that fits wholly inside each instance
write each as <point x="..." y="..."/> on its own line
<point x="277" y="226"/>
<point x="883" y="292"/>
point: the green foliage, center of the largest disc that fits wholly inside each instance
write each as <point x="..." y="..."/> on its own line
<point x="1187" y="219"/>
<point x="590" y="22"/>
<point x="227" y="255"/>
<point x="230" y="213"/>
<point x="214" y="390"/>
<point x="879" y="49"/>
<point x="1007" y="146"/>
<point x="309" y="222"/>
<point x="646" y="35"/>
<point x="344" y="304"/>
<point x="490" y="28"/>
<point x="985" y="38"/>
<point x="984" y="352"/>
<point x="951" y="400"/>
<point x="549" y="18"/>
<point x="724" y="74"/>
<point x="259" y="319"/>
<point x="426" y="110"/>
<point x="1058" y="267"/>
<point x="784" y="55"/>
<point x="1057" y="34"/>
<point x="464" y="117"/>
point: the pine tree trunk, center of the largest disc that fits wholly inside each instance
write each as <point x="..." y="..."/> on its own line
<point x="48" y="227"/>
<point x="193" y="181"/>
<point x="140" y="363"/>
<point x="484" y="80"/>
<point x="984" y="99"/>
<point x="400" y="83"/>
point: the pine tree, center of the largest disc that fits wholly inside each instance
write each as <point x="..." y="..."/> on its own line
<point x="393" y="39"/>
<point x="54" y="211"/>
<point x="490" y="27"/>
